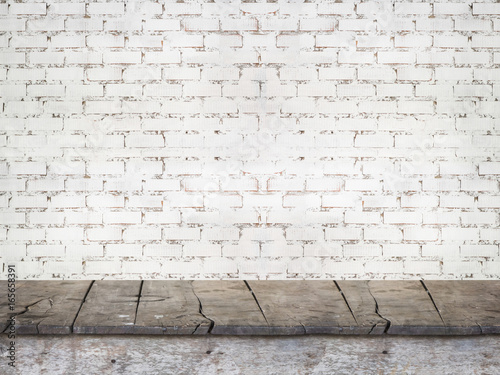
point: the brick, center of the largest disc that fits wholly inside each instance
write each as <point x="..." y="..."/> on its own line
<point x="105" y="8"/>
<point x="83" y="24"/>
<point x="136" y="233"/>
<point x="379" y="140"/>
<point x="162" y="25"/>
<point x="485" y="8"/>
<point x="177" y="234"/>
<point x="140" y="267"/>
<point x="46" y="251"/>
<point x="356" y="25"/>
<point x="356" y="217"/>
<point x="29" y="41"/>
<point x="368" y="250"/>
<point x="245" y="24"/>
<point x="66" y="8"/>
<point x="488" y="201"/>
<point x="417" y="233"/>
<point x="397" y="24"/>
<point x="413" y="8"/>
<point x="460" y="234"/>
<point x="87" y="218"/>
<point x="412" y="41"/>
<point x="478" y="185"/>
<point x="65" y="234"/>
<point x="345" y="57"/>
<point x="422" y="267"/>
<point x="13" y="24"/>
<point x="28" y="9"/>
<point x="472" y="25"/>
<point x="451" y="8"/>
<point x="335" y="8"/>
<point x="382" y="74"/>
<point x="395" y="57"/>
<point x="167" y="217"/>
<point x="400" y="250"/>
<point x="274" y="24"/>
<point x="434" y="24"/>
<point x="478" y="218"/>
<point x="16" y="74"/>
<point x="456" y="201"/>
<point x="413" y="74"/>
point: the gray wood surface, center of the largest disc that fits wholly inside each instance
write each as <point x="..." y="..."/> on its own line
<point x="5" y="312"/>
<point x="363" y="306"/>
<point x="467" y="306"/>
<point x="254" y="355"/>
<point x="294" y="307"/>
<point x="110" y="308"/>
<point x="45" y="307"/>
<point x="407" y="306"/>
<point x="169" y="307"/>
<point x="231" y="306"/>
<point x="288" y="307"/>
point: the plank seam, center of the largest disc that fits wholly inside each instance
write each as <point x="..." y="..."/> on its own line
<point x="257" y="302"/>
<point x="81" y="306"/>
<point x="433" y="302"/>
<point x="346" y="302"/>
<point x="138" y="301"/>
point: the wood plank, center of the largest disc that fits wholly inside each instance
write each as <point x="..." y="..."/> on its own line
<point x="110" y="308"/>
<point x="169" y="307"/>
<point x="407" y="306"/>
<point x="5" y="312"/>
<point x="467" y="306"/>
<point x="363" y="306"/>
<point x="304" y="307"/>
<point x="46" y="307"/>
<point x="231" y="306"/>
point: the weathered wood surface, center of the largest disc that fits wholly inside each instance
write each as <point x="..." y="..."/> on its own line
<point x="169" y="308"/>
<point x="304" y="307"/>
<point x="406" y="306"/>
<point x="110" y="308"/>
<point x="467" y="307"/>
<point x="253" y="355"/>
<point x="5" y="312"/>
<point x="231" y="307"/>
<point x="47" y="307"/>
<point x="254" y="308"/>
<point x="363" y="306"/>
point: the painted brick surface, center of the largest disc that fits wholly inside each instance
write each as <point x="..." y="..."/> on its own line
<point x="292" y="139"/>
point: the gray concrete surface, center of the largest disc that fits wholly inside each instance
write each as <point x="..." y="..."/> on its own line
<point x="62" y="355"/>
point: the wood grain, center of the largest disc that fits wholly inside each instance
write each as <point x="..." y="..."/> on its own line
<point x="231" y="306"/>
<point x="363" y="306"/>
<point x="290" y="307"/>
<point x="169" y="307"/>
<point x="467" y="306"/>
<point x="46" y="307"/>
<point x="109" y="308"/>
<point x="407" y="306"/>
<point x="304" y="307"/>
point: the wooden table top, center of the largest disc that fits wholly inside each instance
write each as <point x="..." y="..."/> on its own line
<point x="291" y="307"/>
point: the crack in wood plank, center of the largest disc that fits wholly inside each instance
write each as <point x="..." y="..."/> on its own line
<point x="212" y="322"/>
<point x="377" y="310"/>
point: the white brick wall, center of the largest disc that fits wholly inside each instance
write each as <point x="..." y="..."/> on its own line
<point x="289" y="139"/>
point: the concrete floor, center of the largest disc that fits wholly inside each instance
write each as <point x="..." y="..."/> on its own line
<point x="58" y="355"/>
